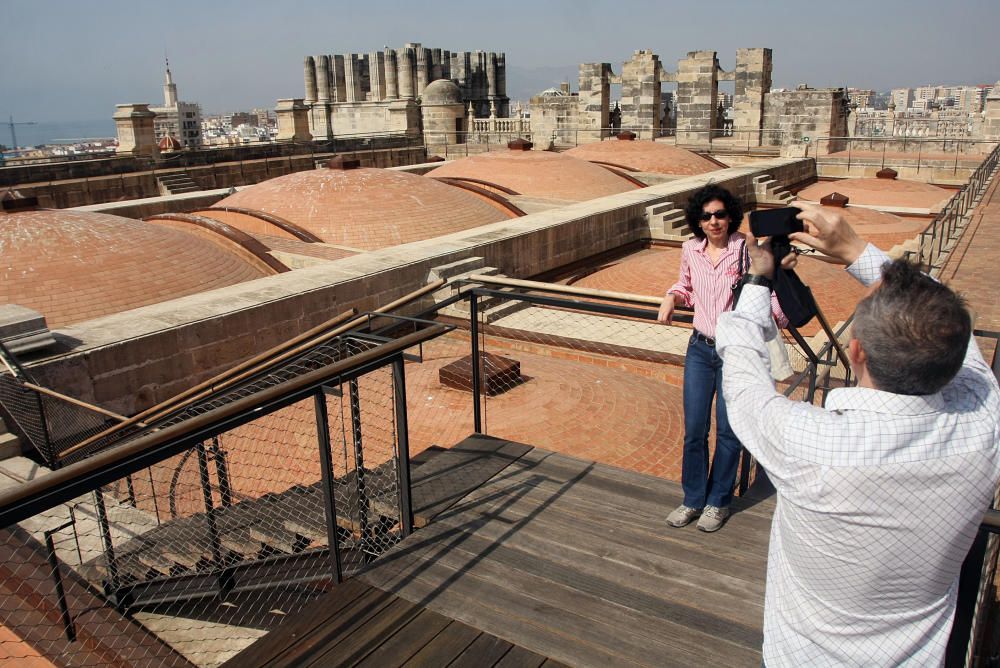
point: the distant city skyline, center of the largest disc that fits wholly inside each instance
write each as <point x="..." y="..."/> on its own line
<point x="62" y="60"/>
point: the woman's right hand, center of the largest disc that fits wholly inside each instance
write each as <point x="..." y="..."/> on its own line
<point x="666" y="312"/>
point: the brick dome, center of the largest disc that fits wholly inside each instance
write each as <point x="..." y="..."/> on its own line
<point x="365" y="208"/>
<point x="539" y="174"/>
<point x="73" y="266"/>
<point x="881" y="192"/>
<point x="645" y="156"/>
<point x="885" y="230"/>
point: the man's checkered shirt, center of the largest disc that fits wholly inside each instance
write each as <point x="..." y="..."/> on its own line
<point x="879" y="498"/>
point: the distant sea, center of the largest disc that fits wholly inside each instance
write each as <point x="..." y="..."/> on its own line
<point x="68" y="132"/>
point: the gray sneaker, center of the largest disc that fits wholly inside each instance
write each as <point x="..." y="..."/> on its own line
<point x="713" y="518"/>
<point x="682" y="516"/>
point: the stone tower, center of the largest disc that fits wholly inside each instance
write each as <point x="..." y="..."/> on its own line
<point x="641" y="98"/>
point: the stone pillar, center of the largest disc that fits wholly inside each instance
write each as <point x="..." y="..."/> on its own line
<point x="991" y="115"/>
<point x="352" y="78"/>
<point x="435" y="64"/>
<point x="309" y="68"/>
<point x="376" y="75"/>
<point x="293" y="120"/>
<point x="491" y="75"/>
<point x="641" y="99"/>
<point x="391" y="80"/>
<point x="501" y="75"/>
<point x="406" y="64"/>
<point x="134" y="123"/>
<point x="446" y="64"/>
<point x="479" y="77"/>
<point x="323" y="78"/>
<point x="697" y="93"/>
<point x="460" y="68"/>
<point x="753" y="82"/>
<point x="594" y="101"/>
<point x="338" y="79"/>
<point x="423" y="70"/>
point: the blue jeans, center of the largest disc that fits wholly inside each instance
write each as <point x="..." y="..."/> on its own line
<point x="702" y="382"/>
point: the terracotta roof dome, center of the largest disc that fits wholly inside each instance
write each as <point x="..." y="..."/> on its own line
<point x="645" y="156"/>
<point x="441" y="92"/>
<point x="539" y="174"/>
<point x="170" y="143"/>
<point x="881" y="192"/>
<point x="73" y="266"/>
<point x="363" y="208"/>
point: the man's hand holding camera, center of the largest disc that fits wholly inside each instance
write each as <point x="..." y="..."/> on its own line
<point x="829" y="233"/>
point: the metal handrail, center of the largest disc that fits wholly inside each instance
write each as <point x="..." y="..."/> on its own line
<point x="67" y="483"/>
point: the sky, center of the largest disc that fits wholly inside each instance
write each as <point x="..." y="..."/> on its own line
<point x="70" y="60"/>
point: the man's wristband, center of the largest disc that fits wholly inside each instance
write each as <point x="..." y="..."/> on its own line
<point x="756" y="279"/>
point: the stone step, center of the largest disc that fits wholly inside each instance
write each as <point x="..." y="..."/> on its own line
<point x="490" y="314"/>
<point x="453" y="288"/>
<point x="10" y="445"/>
<point x="658" y="209"/>
<point x="469" y="265"/>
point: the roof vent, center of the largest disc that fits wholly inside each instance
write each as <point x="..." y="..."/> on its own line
<point x="835" y="199"/>
<point x="13" y="201"/>
<point x="342" y="163"/>
<point x="886" y="173"/>
<point x="519" y="145"/>
<point x="23" y="330"/>
<point x="434" y="158"/>
<point x="626" y="135"/>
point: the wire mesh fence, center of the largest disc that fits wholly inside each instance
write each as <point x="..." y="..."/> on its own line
<point x="192" y="558"/>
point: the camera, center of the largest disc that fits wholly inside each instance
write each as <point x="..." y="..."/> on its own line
<point x="777" y="224"/>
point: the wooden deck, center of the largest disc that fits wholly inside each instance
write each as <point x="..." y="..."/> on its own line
<point x="563" y="559"/>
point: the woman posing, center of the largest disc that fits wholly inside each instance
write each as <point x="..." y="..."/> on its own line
<point x="710" y="265"/>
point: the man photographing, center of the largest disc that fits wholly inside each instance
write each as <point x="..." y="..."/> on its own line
<point x="881" y="492"/>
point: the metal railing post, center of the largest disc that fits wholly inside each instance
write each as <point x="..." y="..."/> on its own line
<point x="477" y="417"/>
<point x="329" y="497"/>
<point x="403" y="448"/>
<point x="359" y="466"/>
<point x="64" y="613"/>
<point x="965" y="607"/>
<point x="112" y="582"/>
<point x="224" y="581"/>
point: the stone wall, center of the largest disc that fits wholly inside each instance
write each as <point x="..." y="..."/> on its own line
<point x="103" y="189"/>
<point x="752" y="82"/>
<point x="812" y="112"/>
<point x="556" y="118"/>
<point x="129" y="361"/>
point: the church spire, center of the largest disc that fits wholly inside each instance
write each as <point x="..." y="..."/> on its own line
<point x="169" y="88"/>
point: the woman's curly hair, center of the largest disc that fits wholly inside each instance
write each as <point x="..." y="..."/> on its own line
<point x="696" y="204"/>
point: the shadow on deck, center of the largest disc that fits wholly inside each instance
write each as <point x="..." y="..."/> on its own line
<point x="527" y="554"/>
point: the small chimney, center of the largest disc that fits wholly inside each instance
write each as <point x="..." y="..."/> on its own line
<point x="342" y="163"/>
<point x="886" y="173"/>
<point x="626" y="135"/>
<point x="519" y="145"/>
<point x="835" y="199"/>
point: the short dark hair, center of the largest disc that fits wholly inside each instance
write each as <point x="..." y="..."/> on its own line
<point x="696" y="204"/>
<point x="914" y="331"/>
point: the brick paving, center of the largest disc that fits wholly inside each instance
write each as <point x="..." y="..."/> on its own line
<point x="881" y="192"/>
<point x="972" y="267"/>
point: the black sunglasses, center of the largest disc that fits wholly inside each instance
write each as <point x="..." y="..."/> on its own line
<point x="721" y="214"/>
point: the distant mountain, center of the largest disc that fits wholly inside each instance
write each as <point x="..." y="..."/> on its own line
<point x="524" y="82"/>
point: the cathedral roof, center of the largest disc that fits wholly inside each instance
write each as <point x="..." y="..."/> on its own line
<point x="539" y="174"/>
<point x="363" y="208"/>
<point x="73" y="266"/>
<point x="645" y="156"/>
<point x="886" y="192"/>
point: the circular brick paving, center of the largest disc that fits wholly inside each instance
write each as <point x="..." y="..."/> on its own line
<point x="645" y="156"/>
<point x="73" y="266"/>
<point x="362" y="208"/>
<point x="539" y="174"/>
